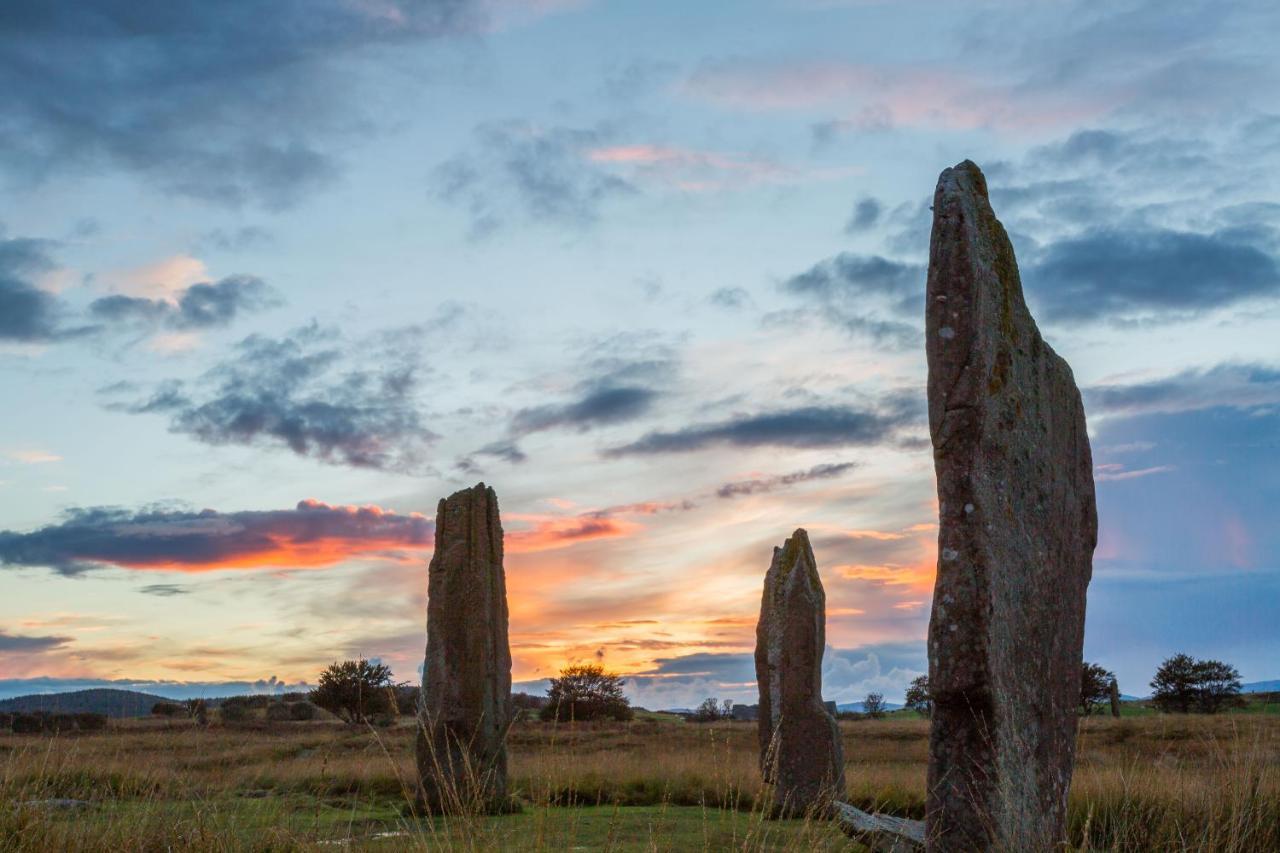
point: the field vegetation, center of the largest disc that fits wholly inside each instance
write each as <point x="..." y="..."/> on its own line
<point x="1176" y="782"/>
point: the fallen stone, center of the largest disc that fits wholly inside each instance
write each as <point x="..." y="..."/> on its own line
<point x="880" y="833"/>
<point x="1017" y="528"/>
<point x="800" y="751"/>
<point x="465" y="705"/>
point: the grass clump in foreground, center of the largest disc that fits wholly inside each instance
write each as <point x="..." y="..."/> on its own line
<point x="1170" y="783"/>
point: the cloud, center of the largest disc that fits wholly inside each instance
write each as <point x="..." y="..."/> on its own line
<point x="1241" y="386"/>
<point x="165" y="590"/>
<point x="696" y="171"/>
<point x="246" y="238"/>
<point x="731" y="298"/>
<point x="551" y="533"/>
<point x="312" y="534"/>
<point x="201" y="306"/>
<point x="28" y="314"/>
<point x="33" y="457"/>
<point x="779" y="481"/>
<point x="866" y="213"/>
<point x="804" y="427"/>
<point x="1115" y="472"/>
<point x="598" y="406"/>
<point x="854" y="292"/>
<point x="540" y="174"/>
<point x="12" y="644"/>
<point x="302" y="392"/>
<point x="1153" y="274"/>
<point x="229" y="103"/>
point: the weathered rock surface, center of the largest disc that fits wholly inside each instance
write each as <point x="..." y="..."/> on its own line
<point x="465" y="705"/>
<point x="800" y="750"/>
<point x="1115" y="699"/>
<point x="1017" y="529"/>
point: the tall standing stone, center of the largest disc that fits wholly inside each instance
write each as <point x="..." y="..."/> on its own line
<point x="800" y="750"/>
<point x="1115" y="699"/>
<point x="465" y="706"/>
<point x="1017" y="528"/>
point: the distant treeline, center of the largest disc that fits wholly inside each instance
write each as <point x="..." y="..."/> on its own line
<point x="46" y="722"/>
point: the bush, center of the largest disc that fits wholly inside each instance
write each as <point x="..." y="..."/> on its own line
<point x="27" y="724"/>
<point x="234" y="710"/>
<point x="1183" y="684"/>
<point x="586" y="692"/>
<point x="302" y="711"/>
<point x="873" y="705"/>
<point x="710" y="711"/>
<point x="6" y="721"/>
<point x="168" y="709"/>
<point x="356" y="690"/>
<point x="918" y="697"/>
<point x="278" y="712"/>
<point x="406" y="696"/>
<point x="1095" y="687"/>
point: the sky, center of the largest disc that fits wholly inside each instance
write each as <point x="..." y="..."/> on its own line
<point x="276" y="277"/>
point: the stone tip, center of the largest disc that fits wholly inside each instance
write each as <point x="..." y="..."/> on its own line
<point x="964" y="175"/>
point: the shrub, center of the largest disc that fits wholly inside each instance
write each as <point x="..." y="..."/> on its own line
<point x="27" y="724"/>
<point x="1183" y="684"/>
<point x="278" y="712"/>
<point x="406" y="696"/>
<point x="1095" y="687"/>
<point x="708" y="712"/>
<point x="918" y="697"/>
<point x="234" y="711"/>
<point x="167" y="709"/>
<point x="873" y="705"/>
<point x="355" y="690"/>
<point x="586" y="692"/>
<point x="302" y="711"/>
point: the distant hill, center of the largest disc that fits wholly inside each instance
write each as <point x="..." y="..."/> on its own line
<point x="857" y="707"/>
<point x="1261" y="687"/>
<point x="113" y="703"/>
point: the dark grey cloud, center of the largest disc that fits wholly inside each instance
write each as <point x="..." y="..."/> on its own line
<point x="310" y="534"/>
<point x="1146" y="274"/>
<point x="309" y="392"/>
<point x="757" y="485"/>
<point x="14" y="644"/>
<point x="804" y="427"/>
<point x="243" y="239"/>
<point x="866" y="213"/>
<point x="1241" y="386"/>
<point x="201" y="306"/>
<point x="598" y="406"/>
<point x="165" y="590"/>
<point x="732" y="298"/>
<point x="868" y="295"/>
<point x="227" y="102"/>
<point x="27" y="313"/>
<point x="518" y="170"/>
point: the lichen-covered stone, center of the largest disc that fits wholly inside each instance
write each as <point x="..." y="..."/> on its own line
<point x="800" y="750"/>
<point x="1017" y="529"/>
<point x="465" y="707"/>
<point x="1115" y="699"/>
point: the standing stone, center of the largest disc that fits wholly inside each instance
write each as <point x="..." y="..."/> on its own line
<point x="465" y="706"/>
<point x="800" y="749"/>
<point x="1017" y="528"/>
<point x="1115" y="699"/>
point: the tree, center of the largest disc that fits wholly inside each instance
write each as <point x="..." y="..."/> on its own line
<point x="1095" y="687"/>
<point x="1183" y="683"/>
<point x="1218" y="685"/>
<point x="708" y="712"/>
<point x="918" y="698"/>
<point x="873" y="705"/>
<point x="356" y="690"/>
<point x="586" y="692"/>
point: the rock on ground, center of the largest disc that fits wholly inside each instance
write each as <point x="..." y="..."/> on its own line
<point x="1017" y="529"/>
<point x="465" y="708"/>
<point x="800" y="750"/>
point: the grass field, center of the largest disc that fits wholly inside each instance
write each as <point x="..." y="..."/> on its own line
<point x="1154" y="782"/>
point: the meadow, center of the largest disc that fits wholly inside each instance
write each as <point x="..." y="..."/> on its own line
<point x="1142" y="782"/>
